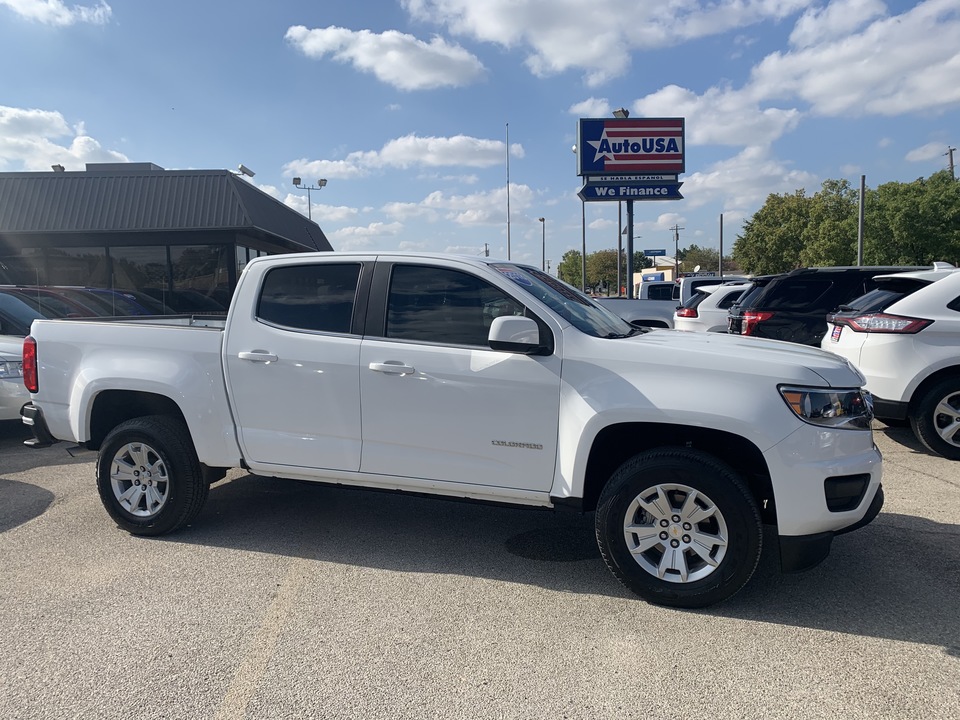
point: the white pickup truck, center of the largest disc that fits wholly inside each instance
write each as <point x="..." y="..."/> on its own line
<point x="471" y="378"/>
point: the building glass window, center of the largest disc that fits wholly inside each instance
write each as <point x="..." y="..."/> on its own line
<point x="202" y="270"/>
<point x="310" y="297"/>
<point x="57" y="266"/>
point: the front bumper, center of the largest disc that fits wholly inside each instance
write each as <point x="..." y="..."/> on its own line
<point x="32" y="417"/>
<point x="803" y="552"/>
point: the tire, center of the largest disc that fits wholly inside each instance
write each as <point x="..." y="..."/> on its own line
<point x="679" y="528"/>
<point x="148" y="475"/>
<point x="936" y="419"/>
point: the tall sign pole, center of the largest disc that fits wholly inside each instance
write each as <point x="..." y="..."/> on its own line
<point x="619" y="246"/>
<point x="583" y="245"/>
<point x="508" y="191"/>
<point x="630" y="249"/>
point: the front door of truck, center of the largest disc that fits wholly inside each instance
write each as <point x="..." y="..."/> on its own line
<point x="439" y="404"/>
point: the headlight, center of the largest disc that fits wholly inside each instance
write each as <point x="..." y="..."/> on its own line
<point x="843" y="408"/>
<point x="11" y="369"/>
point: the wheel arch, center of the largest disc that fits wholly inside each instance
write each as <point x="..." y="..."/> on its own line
<point x="932" y="379"/>
<point x="617" y="443"/>
<point x="112" y="407"/>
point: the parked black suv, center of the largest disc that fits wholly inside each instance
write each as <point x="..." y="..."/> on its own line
<point x="793" y="307"/>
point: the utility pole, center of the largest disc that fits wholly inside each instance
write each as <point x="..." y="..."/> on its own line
<point x="676" y="251"/>
<point x="949" y="154"/>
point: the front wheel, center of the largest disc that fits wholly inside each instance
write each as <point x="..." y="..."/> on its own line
<point x="148" y="475"/>
<point x="936" y="419"/>
<point x="679" y="528"/>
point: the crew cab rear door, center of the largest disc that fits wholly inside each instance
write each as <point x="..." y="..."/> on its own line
<point x="440" y="404"/>
<point x="291" y="359"/>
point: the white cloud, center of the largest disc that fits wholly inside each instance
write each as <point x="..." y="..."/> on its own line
<point x="902" y="64"/>
<point x="483" y="208"/>
<point x="408" y="151"/>
<point x="719" y="116"/>
<point x="837" y="20"/>
<point x="28" y="142"/>
<point x="458" y="150"/>
<point x="885" y="142"/>
<point x="361" y="238"/>
<point x="564" y="34"/>
<point x="930" y="151"/>
<point x="591" y="108"/>
<point x="408" y="211"/>
<point x="744" y="181"/>
<point x="395" y="58"/>
<point x="55" y="12"/>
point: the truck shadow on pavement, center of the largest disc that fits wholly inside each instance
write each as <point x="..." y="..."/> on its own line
<point x="897" y="578"/>
<point x="21" y="502"/>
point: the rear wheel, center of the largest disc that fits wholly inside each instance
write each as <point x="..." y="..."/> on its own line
<point x="936" y="419"/>
<point x="148" y="475"/>
<point x="679" y="528"/>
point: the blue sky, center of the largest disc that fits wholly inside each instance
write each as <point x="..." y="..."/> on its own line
<point x="403" y="106"/>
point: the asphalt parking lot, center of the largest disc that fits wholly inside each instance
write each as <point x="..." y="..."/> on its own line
<point x="287" y="600"/>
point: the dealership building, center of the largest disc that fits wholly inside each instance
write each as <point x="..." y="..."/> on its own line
<point x="179" y="235"/>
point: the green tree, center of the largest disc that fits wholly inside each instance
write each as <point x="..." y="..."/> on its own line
<point x="772" y="239"/>
<point x="570" y="268"/>
<point x="830" y="237"/>
<point x="602" y="270"/>
<point x="707" y="258"/>
<point x="913" y="223"/>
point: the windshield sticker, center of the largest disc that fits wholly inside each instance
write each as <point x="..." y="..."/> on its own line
<point x="518" y="277"/>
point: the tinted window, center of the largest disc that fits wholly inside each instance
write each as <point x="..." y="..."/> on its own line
<point x="660" y="292"/>
<point x="695" y="299"/>
<point x="729" y="299"/>
<point x="795" y="294"/>
<point x="885" y="295"/>
<point x="441" y="305"/>
<point x="310" y="297"/>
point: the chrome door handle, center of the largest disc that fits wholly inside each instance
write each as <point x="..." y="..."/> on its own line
<point x="257" y="356"/>
<point x="392" y="367"/>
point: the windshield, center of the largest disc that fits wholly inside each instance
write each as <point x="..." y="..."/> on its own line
<point x="567" y="302"/>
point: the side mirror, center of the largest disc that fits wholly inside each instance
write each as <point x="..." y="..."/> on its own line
<point x="515" y="334"/>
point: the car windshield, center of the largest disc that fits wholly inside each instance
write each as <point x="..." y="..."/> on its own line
<point x="569" y="303"/>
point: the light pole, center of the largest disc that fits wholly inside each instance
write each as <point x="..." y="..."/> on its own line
<point x="543" y="243"/>
<point x="321" y="183"/>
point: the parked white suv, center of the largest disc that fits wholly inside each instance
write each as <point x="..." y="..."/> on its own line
<point x="904" y="337"/>
<point x="707" y="310"/>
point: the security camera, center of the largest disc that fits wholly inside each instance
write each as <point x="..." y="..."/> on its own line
<point x="244" y="170"/>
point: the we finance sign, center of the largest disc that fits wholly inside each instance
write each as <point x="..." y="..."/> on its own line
<point x="631" y="146"/>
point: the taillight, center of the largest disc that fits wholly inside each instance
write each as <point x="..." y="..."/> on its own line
<point x="752" y="319"/>
<point x="687" y="312"/>
<point x="30" y="364"/>
<point x="878" y="323"/>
